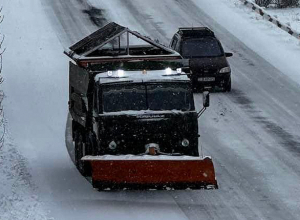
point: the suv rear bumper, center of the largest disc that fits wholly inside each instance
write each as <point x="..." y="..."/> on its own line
<point x="219" y="80"/>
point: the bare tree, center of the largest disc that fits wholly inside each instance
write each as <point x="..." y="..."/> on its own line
<point x="2" y="122"/>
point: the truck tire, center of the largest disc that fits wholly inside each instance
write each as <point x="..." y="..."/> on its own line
<point x="79" y="153"/>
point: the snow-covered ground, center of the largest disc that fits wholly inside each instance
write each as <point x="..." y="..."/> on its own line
<point x="263" y="37"/>
<point x="288" y="16"/>
<point x="38" y="179"/>
<point x="35" y="103"/>
<point x="18" y="195"/>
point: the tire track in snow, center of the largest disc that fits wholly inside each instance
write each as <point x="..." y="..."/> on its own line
<point x="209" y="213"/>
<point x="287" y="140"/>
<point x="18" y="197"/>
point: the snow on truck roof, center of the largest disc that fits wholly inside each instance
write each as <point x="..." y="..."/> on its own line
<point x="120" y="76"/>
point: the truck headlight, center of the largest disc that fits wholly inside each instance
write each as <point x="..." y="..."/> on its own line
<point x="120" y="73"/>
<point x="168" y="71"/>
<point x="225" y="70"/>
<point x="112" y="145"/>
<point x="109" y="73"/>
<point x="185" y="142"/>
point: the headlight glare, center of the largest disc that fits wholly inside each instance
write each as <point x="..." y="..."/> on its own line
<point x="225" y="70"/>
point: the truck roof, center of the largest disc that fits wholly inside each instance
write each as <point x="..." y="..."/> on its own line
<point x="121" y="76"/>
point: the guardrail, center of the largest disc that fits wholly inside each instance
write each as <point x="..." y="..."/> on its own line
<point x="270" y="18"/>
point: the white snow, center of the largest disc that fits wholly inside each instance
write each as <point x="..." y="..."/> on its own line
<point x="35" y="108"/>
<point x="288" y="16"/>
<point x="38" y="179"/>
<point x="144" y="113"/>
<point x="263" y="37"/>
<point x="142" y="75"/>
<point x="18" y="195"/>
<point x="143" y="157"/>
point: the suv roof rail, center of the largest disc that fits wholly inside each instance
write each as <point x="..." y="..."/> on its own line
<point x="195" y="31"/>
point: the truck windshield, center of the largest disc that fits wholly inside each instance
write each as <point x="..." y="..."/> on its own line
<point x="169" y="97"/>
<point x="201" y="47"/>
<point x="124" y="97"/>
<point x="147" y="96"/>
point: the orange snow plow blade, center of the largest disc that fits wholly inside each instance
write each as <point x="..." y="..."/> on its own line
<point x="143" y="172"/>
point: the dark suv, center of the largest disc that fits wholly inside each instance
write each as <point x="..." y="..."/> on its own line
<point x="208" y="64"/>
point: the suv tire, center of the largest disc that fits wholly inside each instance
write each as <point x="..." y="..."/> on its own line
<point x="227" y="87"/>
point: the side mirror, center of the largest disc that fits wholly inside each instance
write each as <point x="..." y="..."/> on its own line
<point x="205" y="103"/>
<point x="205" y="99"/>
<point x="228" y="54"/>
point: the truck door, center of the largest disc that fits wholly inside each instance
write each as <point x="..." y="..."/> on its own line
<point x="174" y="42"/>
<point x="78" y="108"/>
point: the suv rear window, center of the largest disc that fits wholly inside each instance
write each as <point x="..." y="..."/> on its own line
<point x="201" y="47"/>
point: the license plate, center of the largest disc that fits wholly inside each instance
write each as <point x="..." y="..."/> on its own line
<point x="206" y="79"/>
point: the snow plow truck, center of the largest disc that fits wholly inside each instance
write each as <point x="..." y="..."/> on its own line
<point x="134" y="123"/>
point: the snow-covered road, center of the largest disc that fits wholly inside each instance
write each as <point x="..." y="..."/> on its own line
<point x="252" y="133"/>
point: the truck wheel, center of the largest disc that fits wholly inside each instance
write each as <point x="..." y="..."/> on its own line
<point x="79" y="153"/>
<point x="98" y="185"/>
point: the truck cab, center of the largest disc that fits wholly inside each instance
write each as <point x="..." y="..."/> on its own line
<point x="143" y="107"/>
<point x="125" y="111"/>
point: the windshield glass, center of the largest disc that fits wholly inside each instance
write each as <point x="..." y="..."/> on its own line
<point x="124" y="97"/>
<point x="201" y="47"/>
<point x="168" y="96"/>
